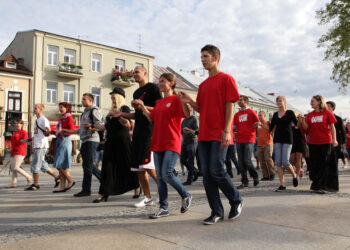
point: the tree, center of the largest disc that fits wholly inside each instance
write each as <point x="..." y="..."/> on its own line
<point x="337" y="39"/>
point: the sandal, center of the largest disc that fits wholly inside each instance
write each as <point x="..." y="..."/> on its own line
<point x="32" y="187"/>
<point x="11" y="186"/>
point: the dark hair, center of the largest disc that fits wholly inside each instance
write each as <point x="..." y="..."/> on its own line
<point x="89" y="95"/>
<point x="212" y="50"/>
<point x="67" y="105"/>
<point x="246" y="98"/>
<point x="125" y="109"/>
<point x="19" y="121"/>
<point x="332" y="104"/>
<point x="171" y="78"/>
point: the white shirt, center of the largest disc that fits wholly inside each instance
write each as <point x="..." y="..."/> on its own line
<point x="40" y="140"/>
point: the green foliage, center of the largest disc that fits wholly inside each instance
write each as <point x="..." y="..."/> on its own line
<point x="337" y="39"/>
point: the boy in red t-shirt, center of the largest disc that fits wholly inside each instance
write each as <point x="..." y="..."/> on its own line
<point x="215" y="99"/>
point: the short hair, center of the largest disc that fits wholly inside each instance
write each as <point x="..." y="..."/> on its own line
<point x="20" y="121"/>
<point x="245" y="98"/>
<point x="212" y="50"/>
<point x="67" y="105"/>
<point x="262" y="111"/>
<point x="142" y="67"/>
<point x="283" y="98"/>
<point x="89" y="95"/>
<point x="40" y="105"/>
<point x="332" y="104"/>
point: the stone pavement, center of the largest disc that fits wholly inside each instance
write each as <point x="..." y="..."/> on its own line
<point x="295" y="219"/>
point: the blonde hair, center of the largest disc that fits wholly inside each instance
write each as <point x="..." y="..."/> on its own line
<point x="120" y="101"/>
<point x="40" y="105"/>
<point x="283" y="98"/>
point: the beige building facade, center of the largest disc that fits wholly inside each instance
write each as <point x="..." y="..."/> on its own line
<point x="65" y="68"/>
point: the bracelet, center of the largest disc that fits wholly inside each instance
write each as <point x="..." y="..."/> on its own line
<point x="227" y="132"/>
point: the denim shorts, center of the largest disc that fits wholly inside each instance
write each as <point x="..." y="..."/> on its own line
<point x="38" y="161"/>
<point x="282" y="154"/>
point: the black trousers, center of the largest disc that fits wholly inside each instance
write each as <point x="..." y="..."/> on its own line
<point x="319" y="165"/>
<point x="332" y="181"/>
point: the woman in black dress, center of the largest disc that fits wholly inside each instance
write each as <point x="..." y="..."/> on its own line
<point x="117" y="177"/>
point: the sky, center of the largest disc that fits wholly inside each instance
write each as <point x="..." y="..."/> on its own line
<point x="270" y="45"/>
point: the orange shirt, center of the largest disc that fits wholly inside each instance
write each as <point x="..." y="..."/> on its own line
<point x="264" y="136"/>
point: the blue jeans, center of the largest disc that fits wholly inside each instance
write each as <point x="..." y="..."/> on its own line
<point x="88" y="152"/>
<point x="282" y="154"/>
<point x="188" y="152"/>
<point x="245" y="152"/>
<point x="164" y="162"/>
<point x="212" y="157"/>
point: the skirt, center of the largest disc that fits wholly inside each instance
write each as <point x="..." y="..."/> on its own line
<point x="63" y="153"/>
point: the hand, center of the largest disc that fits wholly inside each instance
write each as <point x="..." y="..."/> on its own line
<point x="137" y="104"/>
<point x="225" y="139"/>
<point x="257" y="124"/>
<point x="188" y="131"/>
<point x="183" y="97"/>
<point x="335" y="143"/>
<point x="87" y="126"/>
<point x="301" y="118"/>
<point x="22" y="141"/>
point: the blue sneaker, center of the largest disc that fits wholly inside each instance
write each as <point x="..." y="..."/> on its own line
<point x="186" y="203"/>
<point x="160" y="213"/>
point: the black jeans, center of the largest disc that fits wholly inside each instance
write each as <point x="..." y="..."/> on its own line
<point x="231" y="156"/>
<point x="88" y="152"/>
<point x="319" y="165"/>
<point x="245" y="152"/>
<point x="188" y="152"/>
<point x="332" y="182"/>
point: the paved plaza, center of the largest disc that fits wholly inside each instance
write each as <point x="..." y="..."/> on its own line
<point x="295" y="219"/>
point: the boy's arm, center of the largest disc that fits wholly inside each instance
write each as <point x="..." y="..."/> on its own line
<point x="226" y="137"/>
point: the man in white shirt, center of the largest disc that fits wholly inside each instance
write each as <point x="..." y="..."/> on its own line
<point x="40" y="145"/>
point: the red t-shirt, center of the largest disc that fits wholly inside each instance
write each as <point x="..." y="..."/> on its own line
<point x="66" y="122"/>
<point x="319" y="130"/>
<point x="244" y="121"/>
<point x="213" y="94"/>
<point x="348" y="140"/>
<point x="16" y="147"/>
<point x="167" y="116"/>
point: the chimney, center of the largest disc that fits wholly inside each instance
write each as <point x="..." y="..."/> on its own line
<point x="20" y="61"/>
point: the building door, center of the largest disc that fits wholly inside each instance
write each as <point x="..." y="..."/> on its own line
<point x="14" y="111"/>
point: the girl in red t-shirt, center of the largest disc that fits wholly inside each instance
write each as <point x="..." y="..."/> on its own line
<point x="18" y="152"/>
<point x="166" y="142"/>
<point x="320" y="125"/>
<point x="63" y="147"/>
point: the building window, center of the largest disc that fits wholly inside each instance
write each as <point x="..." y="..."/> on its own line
<point x="69" y="56"/>
<point x="120" y="64"/>
<point x="96" y="92"/>
<point x="68" y="93"/>
<point x="96" y="63"/>
<point x="51" y="92"/>
<point x="52" y="55"/>
<point x="14" y="101"/>
<point x="10" y="65"/>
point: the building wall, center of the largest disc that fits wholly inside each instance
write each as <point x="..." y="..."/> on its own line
<point x="12" y="82"/>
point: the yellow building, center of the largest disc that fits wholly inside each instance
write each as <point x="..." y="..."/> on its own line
<point x="15" y="81"/>
<point x="64" y="68"/>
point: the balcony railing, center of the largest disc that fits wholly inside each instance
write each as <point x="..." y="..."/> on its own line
<point x="70" y="71"/>
<point x="122" y="78"/>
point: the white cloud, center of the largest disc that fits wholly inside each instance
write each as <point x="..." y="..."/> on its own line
<point x="268" y="45"/>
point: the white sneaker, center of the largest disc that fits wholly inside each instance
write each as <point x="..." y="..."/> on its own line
<point x="144" y="202"/>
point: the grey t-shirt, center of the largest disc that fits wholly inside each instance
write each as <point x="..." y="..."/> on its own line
<point x="88" y="135"/>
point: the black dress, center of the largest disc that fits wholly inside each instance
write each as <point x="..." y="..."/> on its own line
<point x="117" y="177"/>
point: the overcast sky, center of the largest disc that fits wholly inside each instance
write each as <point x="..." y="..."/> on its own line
<point x="270" y="45"/>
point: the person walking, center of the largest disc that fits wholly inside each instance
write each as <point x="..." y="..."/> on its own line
<point x="117" y="177"/>
<point x="90" y="141"/>
<point x="215" y="99"/>
<point x="40" y="145"/>
<point x="18" y="153"/>
<point x="189" y="126"/>
<point x="63" y="148"/>
<point x="142" y="157"/>
<point x="166" y="142"/>
<point x="245" y="123"/>
<point x="265" y="147"/>
<point x="320" y="125"/>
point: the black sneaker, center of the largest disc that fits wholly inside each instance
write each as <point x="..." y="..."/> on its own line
<point x="235" y="211"/>
<point x="280" y="189"/>
<point x="272" y="177"/>
<point x="187" y="183"/>
<point x="295" y="182"/>
<point x="256" y="182"/>
<point x="195" y="177"/>
<point x="265" y="179"/>
<point x="212" y="219"/>
<point x="32" y="187"/>
<point x="242" y="186"/>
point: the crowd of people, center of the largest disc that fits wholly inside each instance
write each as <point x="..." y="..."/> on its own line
<point x="163" y="129"/>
